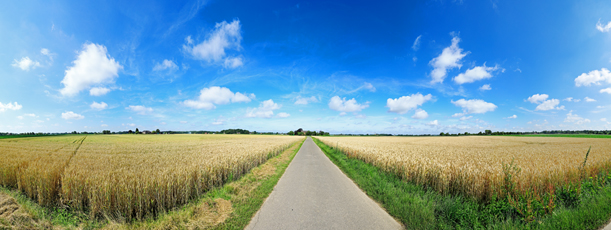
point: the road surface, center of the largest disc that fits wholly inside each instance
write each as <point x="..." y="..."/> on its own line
<point x="314" y="194"/>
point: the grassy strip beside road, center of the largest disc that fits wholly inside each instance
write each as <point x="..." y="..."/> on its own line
<point x="228" y="207"/>
<point x="419" y="208"/>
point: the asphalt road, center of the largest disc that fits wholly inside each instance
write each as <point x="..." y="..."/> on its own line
<point x="314" y="194"/>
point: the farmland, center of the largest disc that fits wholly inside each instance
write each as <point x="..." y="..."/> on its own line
<point x="129" y="176"/>
<point x="483" y="167"/>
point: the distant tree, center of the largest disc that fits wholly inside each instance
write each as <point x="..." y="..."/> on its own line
<point x="466" y="133"/>
<point x="291" y="133"/>
<point x="74" y="132"/>
<point x="130" y="131"/>
<point x="137" y="131"/>
<point x="321" y="133"/>
<point x="441" y="134"/>
<point x="298" y="131"/>
<point x="488" y="132"/>
<point x="158" y="131"/>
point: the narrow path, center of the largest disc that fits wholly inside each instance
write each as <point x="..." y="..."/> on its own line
<point x="314" y="194"/>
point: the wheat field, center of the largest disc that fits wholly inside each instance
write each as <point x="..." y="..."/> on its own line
<point x="474" y="165"/>
<point x="129" y="176"/>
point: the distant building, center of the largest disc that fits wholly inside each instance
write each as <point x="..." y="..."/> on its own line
<point x="146" y="132"/>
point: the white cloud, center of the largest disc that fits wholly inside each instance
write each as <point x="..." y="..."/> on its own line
<point x="142" y="110"/>
<point x="568" y="99"/>
<point x="69" y="115"/>
<point x="225" y="36"/>
<point x="574" y="118"/>
<point x="587" y="99"/>
<point x="607" y="90"/>
<point x="433" y="123"/>
<point x="416" y="44"/>
<point x="104" y="125"/>
<point x="98" y="106"/>
<point x="513" y="117"/>
<point x="593" y="77"/>
<point x="209" y="97"/>
<point x="10" y="106"/>
<point x="420" y="114"/>
<point x="305" y="100"/>
<point x="474" y="106"/>
<point x="26" y="115"/>
<point x="233" y="62"/>
<point x="98" y="91"/>
<point x="25" y="64"/>
<point x="448" y="59"/>
<point x="283" y="115"/>
<point x="549" y="105"/>
<point x="538" y="98"/>
<point x="458" y="115"/>
<point x="464" y="118"/>
<point x="93" y="66"/>
<point x="485" y="87"/>
<point x="165" y="65"/>
<point x="475" y="74"/>
<point x="265" y="109"/>
<point x="219" y="121"/>
<point x="342" y="105"/>
<point x="603" y="28"/>
<point x="47" y="53"/>
<point x="183" y="122"/>
<point x="406" y="103"/>
<point x="369" y="87"/>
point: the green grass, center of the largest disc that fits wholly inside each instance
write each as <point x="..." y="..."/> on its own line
<point x="419" y="208"/>
<point x="565" y="135"/>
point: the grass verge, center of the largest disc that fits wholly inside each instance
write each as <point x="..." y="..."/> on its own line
<point x="228" y="207"/>
<point x="419" y="208"/>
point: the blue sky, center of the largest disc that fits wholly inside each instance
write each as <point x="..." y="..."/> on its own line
<point x="401" y="67"/>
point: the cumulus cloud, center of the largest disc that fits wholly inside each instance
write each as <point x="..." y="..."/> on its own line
<point x="265" y="109"/>
<point x="93" y="66"/>
<point x="593" y="77"/>
<point x="607" y="90"/>
<point x="448" y="59"/>
<point x="98" y="91"/>
<point x="215" y="95"/>
<point x="165" y="65"/>
<point x="420" y="114"/>
<point x="537" y="98"/>
<point x="513" y="117"/>
<point x="224" y="37"/>
<point x="574" y="118"/>
<point x="603" y="28"/>
<point x="98" y="106"/>
<point x="25" y="64"/>
<point x="345" y="106"/>
<point x="232" y="63"/>
<point x="69" y="115"/>
<point x="283" y="115"/>
<point x="485" y="87"/>
<point x="474" y="106"/>
<point x="549" y="105"/>
<point x="464" y="118"/>
<point x="305" y="100"/>
<point x="142" y="110"/>
<point x="416" y="44"/>
<point x="433" y="123"/>
<point x="406" y="103"/>
<point x="10" y="106"/>
<point x="475" y="74"/>
<point x="587" y="99"/>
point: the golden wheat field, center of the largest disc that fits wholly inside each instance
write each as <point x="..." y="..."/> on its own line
<point x="473" y="165"/>
<point x="129" y="176"/>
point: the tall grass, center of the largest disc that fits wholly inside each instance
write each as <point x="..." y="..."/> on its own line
<point x="125" y="177"/>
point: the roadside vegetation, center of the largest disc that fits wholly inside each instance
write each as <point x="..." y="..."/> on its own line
<point x="582" y="204"/>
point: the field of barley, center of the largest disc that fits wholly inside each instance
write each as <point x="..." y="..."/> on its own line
<point x="129" y="176"/>
<point x="480" y="166"/>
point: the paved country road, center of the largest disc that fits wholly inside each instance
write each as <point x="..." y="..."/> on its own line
<point x="314" y="194"/>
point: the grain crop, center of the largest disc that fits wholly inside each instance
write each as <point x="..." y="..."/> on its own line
<point x="128" y="177"/>
<point x="481" y="167"/>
